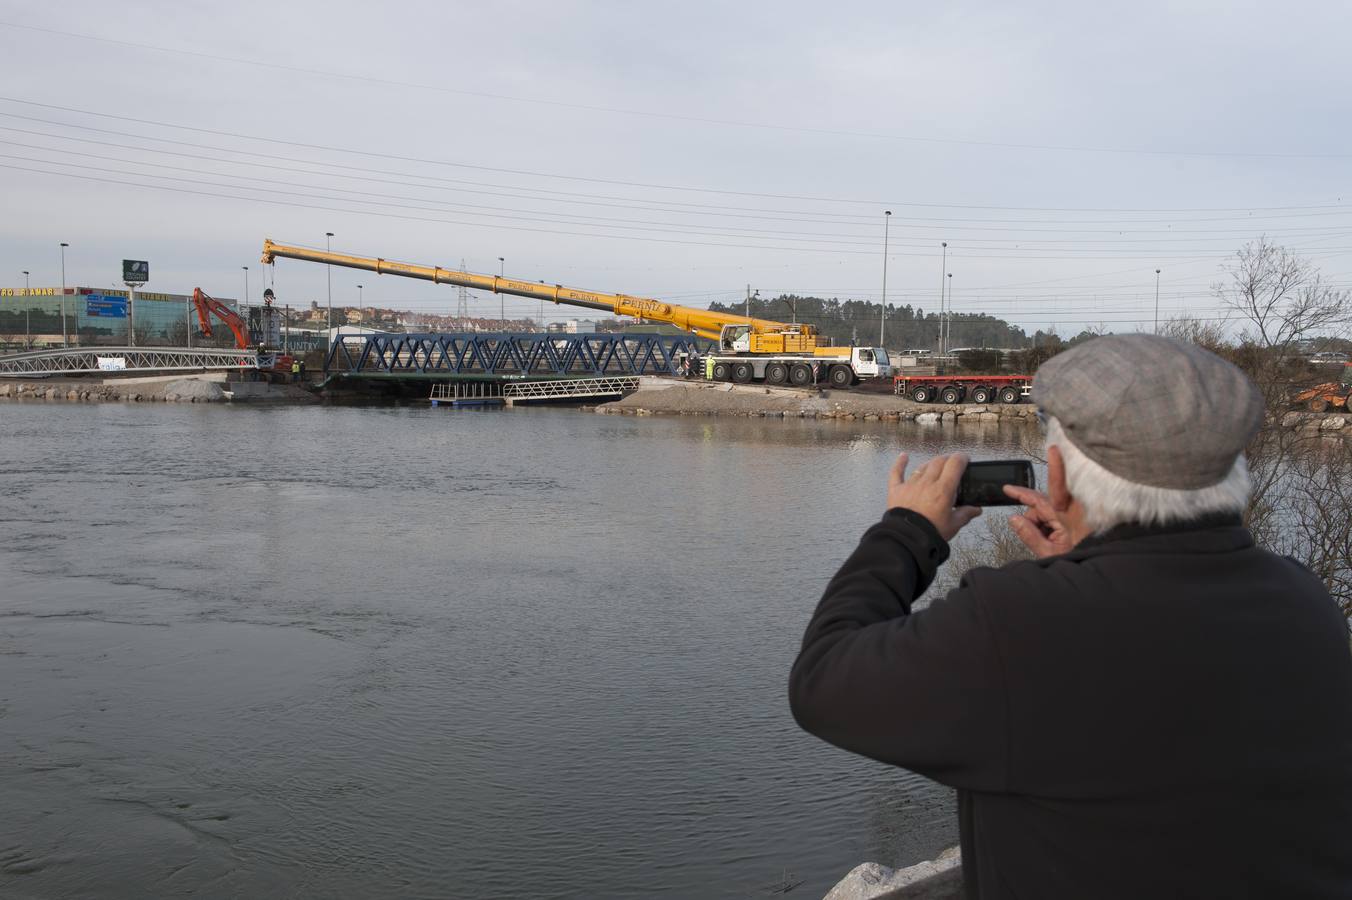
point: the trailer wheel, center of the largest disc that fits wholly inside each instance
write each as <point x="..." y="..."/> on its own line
<point x="800" y="374"/>
<point x="982" y="395"/>
<point x="776" y="373"/>
<point x="721" y="371"/>
<point x="1010" y="394"/>
<point x="950" y="395"/>
<point x="840" y="376"/>
<point x="742" y="373"/>
<point x="921" y="394"/>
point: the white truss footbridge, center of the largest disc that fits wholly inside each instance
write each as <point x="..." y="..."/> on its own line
<point x="116" y="360"/>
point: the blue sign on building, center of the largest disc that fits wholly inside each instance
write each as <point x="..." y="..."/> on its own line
<point x="98" y="305"/>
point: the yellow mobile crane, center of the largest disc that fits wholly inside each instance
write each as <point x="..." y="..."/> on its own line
<point x="748" y="349"/>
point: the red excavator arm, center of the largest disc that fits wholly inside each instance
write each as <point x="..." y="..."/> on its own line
<point x="207" y="305"/>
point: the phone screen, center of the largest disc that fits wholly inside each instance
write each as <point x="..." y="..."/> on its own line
<point x="983" y="482"/>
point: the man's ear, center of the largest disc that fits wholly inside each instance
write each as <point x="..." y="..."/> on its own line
<point x="1057" y="491"/>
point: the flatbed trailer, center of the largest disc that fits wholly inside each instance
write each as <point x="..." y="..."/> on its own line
<point x="964" y="388"/>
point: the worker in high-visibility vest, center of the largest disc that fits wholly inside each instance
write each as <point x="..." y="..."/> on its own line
<point x="708" y="368"/>
<point x="295" y="370"/>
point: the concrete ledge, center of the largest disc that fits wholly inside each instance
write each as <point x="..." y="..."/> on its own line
<point x="166" y="379"/>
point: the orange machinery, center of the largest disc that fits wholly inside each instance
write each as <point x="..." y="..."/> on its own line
<point x="1330" y="395"/>
<point x="207" y="306"/>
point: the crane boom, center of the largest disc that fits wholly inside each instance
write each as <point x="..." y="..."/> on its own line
<point x="773" y="336"/>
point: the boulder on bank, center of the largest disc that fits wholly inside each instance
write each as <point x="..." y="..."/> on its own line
<point x="191" y="390"/>
<point x="937" y="879"/>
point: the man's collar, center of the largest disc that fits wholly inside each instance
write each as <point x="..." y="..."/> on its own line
<point x="1227" y="528"/>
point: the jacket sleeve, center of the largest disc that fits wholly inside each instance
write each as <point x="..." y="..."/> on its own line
<point x="919" y="690"/>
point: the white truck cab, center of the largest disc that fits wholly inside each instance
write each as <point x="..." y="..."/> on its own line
<point x="870" y="362"/>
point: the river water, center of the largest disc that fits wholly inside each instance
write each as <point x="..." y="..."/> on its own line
<point x="401" y="652"/>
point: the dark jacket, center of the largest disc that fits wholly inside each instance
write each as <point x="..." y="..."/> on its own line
<point x="1157" y="713"/>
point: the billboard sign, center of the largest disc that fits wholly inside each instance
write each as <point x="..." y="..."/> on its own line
<point x="135" y="271"/>
<point x="104" y="307"/>
<point x="112" y="363"/>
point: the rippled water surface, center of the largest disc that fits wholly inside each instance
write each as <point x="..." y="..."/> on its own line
<point x="380" y="653"/>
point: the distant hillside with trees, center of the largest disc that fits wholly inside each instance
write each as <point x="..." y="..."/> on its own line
<point x="908" y="327"/>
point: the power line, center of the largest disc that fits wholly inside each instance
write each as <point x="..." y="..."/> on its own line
<point x="605" y="220"/>
<point x="695" y="229"/>
<point x="580" y="178"/>
<point x="1027" y="254"/>
<point x="666" y="205"/>
<point x="705" y="120"/>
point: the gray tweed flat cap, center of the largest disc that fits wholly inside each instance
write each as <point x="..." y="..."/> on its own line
<point x="1150" y="409"/>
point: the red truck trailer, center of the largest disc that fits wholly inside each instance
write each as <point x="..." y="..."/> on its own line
<point x="964" y="388"/>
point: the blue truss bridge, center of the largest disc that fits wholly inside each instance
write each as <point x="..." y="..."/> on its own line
<point x="509" y="355"/>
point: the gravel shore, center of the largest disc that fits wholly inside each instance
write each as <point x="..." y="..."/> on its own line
<point x="669" y="397"/>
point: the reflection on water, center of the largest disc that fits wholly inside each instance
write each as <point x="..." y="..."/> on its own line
<point x="404" y="652"/>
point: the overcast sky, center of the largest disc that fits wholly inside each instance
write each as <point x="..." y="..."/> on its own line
<point x="1064" y="150"/>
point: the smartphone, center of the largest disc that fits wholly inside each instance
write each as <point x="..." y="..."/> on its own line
<point x="983" y="482"/>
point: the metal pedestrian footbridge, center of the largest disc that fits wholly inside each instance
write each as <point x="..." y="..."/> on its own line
<point x="476" y="393"/>
<point x="570" y="388"/>
<point x="112" y="360"/>
<point x="499" y="354"/>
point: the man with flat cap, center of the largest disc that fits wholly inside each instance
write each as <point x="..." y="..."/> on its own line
<point x="1153" y="706"/>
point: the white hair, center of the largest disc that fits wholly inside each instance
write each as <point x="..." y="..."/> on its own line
<point x="1110" y="499"/>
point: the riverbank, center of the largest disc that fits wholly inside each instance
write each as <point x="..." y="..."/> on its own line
<point x="664" y="397"/>
<point x="209" y="387"/>
<point x="667" y="397"/>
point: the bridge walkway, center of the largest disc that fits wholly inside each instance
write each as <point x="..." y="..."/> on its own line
<point x="117" y="360"/>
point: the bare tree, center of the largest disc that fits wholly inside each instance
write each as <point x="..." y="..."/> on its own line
<point x="1209" y="335"/>
<point x="1281" y="301"/>
<point x="1281" y="297"/>
<point x="1319" y="522"/>
<point x="989" y="541"/>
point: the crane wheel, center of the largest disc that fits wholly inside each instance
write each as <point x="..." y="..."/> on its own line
<point x="1317" y="404"/>
<point x="743" y="373"/>
<point x="1010" y="395"/>
<point x="982" y="395"/>
<point x="800" y="374"/>
<point x="721" y="371"/>
<point x="950" y="395"/>
<point x="840" y="376"/>
<point x="921" y="395"/>
<point x="776" y="373"/>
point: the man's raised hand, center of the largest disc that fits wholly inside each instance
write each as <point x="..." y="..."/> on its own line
<point x="1039" y="528"/>
<point x="931" y="491"/>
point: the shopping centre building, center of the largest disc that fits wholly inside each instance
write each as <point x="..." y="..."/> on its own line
<point x="32" y="317"/>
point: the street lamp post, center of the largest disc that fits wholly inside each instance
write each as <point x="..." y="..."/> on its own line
<point x="943" y="267"/>
<point x="948" y="316"/>
<point x="65" y="340"/>
<point x="27" y="311"/>
<point x="328" y="275"/>
<point x="502" y="299"/>
<point x="882" y="318"/>
<point x="245" y="302"/>
<point x="359" y="300"/>
<point x="1157" y="301"/>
